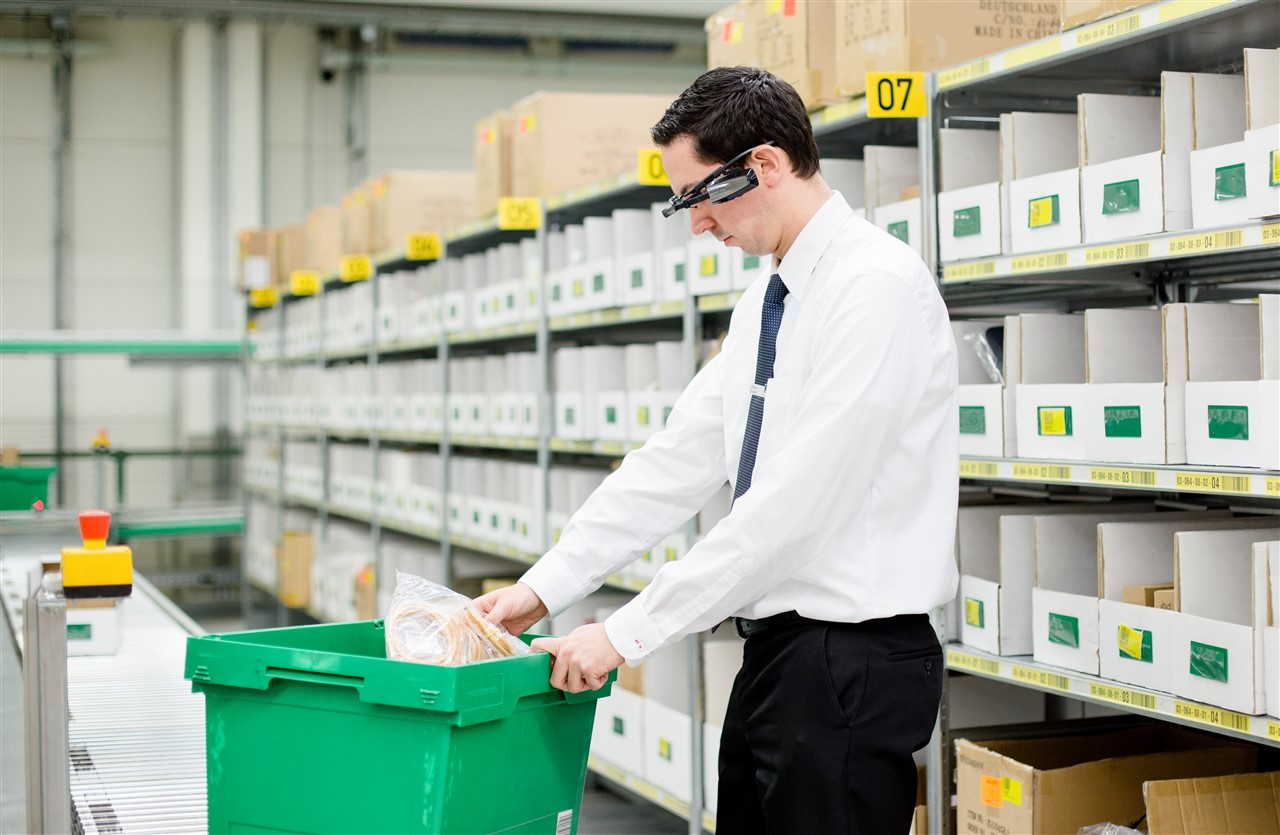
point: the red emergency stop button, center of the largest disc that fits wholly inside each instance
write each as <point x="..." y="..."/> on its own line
<point x="95" y="525"/>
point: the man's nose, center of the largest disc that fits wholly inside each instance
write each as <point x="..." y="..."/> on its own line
<point x="699" y="219"/>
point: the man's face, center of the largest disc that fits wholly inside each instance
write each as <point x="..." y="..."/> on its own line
<point x="742" y="222"/>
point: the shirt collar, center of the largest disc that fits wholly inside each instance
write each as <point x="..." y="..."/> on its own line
<point x="812" y="241"/>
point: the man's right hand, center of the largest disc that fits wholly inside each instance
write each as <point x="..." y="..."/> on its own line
<point x="514" y="608"/>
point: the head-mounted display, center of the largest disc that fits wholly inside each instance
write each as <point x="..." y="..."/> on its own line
<point x="728" y="182"/>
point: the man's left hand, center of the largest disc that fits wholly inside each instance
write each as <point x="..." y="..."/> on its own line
<point x="583" y="658"/>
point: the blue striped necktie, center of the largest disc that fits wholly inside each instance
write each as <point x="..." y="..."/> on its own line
<point x="770" y="319"/>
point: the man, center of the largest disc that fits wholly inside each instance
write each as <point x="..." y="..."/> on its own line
<point x="834" y="402"/>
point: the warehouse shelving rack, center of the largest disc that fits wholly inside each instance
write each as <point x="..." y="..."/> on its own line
<point x="1121" y="54"/>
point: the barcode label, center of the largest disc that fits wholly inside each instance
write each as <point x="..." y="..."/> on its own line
<point x="978" y="469"/>
<point x="1214" y="483"/>
<point x="1215" y="716"/>
<point x="965" y="661"/>
<point x="1118" y="253"/>
<point x="1043" y="261"/>
<point x="1111" y="29"/>
<point x="564" y="822"/>
<point x="963" y="272"/>
<point x="1042" y="678"/>
<point x="1121" y="696"/>
<point x="1042" y="472"/>
<point x="1207" y="242"/>
<point x="968" y="72"/>
<point x="1137" y="478"/>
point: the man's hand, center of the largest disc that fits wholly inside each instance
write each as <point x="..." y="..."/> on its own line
<point x="583" y="659"/>
<point x="514" y="608"/>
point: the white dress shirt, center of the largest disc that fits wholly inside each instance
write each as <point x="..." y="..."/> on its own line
<point x="851" y="513"/>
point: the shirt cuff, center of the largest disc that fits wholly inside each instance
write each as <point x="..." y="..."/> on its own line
<point x="632" y="633"/>
<point x="554" y="583"/>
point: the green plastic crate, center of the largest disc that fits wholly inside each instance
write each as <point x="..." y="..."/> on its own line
<point x="22" y="487"/>
<point x="312" y="729"/>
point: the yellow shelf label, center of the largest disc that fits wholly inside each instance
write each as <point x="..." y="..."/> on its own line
<point x="1043" y="678"/>
<point x="1206" y="242"/>
<point x="1117" y="253"/>
<point x="1271" y="232"/>
<point x="304" y="282"/>
<point x="1114" y="28"/>
<point x="896" y="95"/>
<point x="1216" y="716"/>
<point x="957" y="660"/>
<point x="961" y="74"/>
<point x="968" y="272"/>
<point x="1133" y="478"/>
<point x="356" y="268"/>
<point x="1042" y="472"/>
<point x="840" y="112"/>
<point x="262" y="297"/>
<point x="651" y="172"/>
<point x="1033" y="52"/>
<point x="979" y="469"/>
<point x="1122" y="696"/>
<point x="423" y="246"/>
<point x="1178" y="9"/>
<point x="519" y="213"/>
<point x="1214" y="483"/>
<point x="1272" y="486"/>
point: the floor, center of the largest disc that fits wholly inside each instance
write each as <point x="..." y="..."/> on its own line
<point x="604" y="812"/>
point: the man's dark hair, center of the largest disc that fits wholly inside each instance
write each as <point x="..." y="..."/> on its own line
<point x="731" y="109"/>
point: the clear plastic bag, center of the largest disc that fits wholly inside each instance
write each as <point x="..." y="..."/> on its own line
<point x="988" y="347"/>
<point x="431" y="624"/>
<point x="1107" y="829"/>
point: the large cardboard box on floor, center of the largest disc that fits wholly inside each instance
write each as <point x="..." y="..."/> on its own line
<point x="566" y="140"/>
<point x="1050" y="394"/>
<point x="1079" y="12"/>
<point x="731" y="37"/>
<point x="796" y="42"/>
<point x="980" y="350"/>
<point x="925" y="35"/>
<point x="409" y="202"/>
<point x="1234" y="804"/>
<point x="1135" y="641"/>
<point x="969" y="200"/>
<point x="1059" y="784"/>
<point x="1217" y="645"/>
<point x="492" y="160"/>
<point x="1233" y="384"/>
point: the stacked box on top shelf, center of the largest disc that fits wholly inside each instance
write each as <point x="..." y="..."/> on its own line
<point x="969" y="223"/>
<point x="1135" y="561"/>
<point x="796" y="42"/>
<point x="1129" y="158"/>
<point x="1216" y="638"/>
<point x="1217" y="159"/>
<point x="324" y="239"/>
<point x="892" y="192"/>
<point x="492" y="161"/>
<point x="412" y="202"/>
<point x="1050" y="390"/>
<point x="357" y="220"/>
<point x="1262" y="131"/>
<point x="1079" y="12"/>
<point x="1233" y="383"/>
<point x="1039" y="159"/>
<point x="256" y="265"/>
<point x="1064" y="601"/>
<point x="292" y="253"/>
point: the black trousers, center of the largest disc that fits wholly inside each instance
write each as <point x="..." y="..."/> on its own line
<point x="822" y="721"/>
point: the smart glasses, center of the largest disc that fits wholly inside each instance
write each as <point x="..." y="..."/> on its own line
<point x="728" y="182"/>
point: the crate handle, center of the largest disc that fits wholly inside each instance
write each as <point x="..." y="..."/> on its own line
<point x="314" y="677"/>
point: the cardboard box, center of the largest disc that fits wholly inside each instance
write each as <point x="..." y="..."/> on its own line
<point x="324" y="239"/>
<point x="292" y="252"/>
<point x="1031" y="145"/>
<point x="731" y="37"/>
<point x="257" y="259"/>
<point x="1050" y="398"/>
<point x="1131" y="413"/>
<point x="366" y="594"/>
<point x="796" y="42"/>
<point x="93" y="627"/>
<point x="979" y="349"/>
<point x="566" y="140"/>
<point x="1122" y="181"/>
<point x="969" y="202"/>
<point x="667" y="760"/>
<point x="1217" y="645"/>
<point x="1163" y="599"/>
<point x="888" y="170"/>
<point x="721" y="660"/>
<point x="357" y="220"/>
<point x="1267" y="610"/>
<point x="1236" y="804"/>
<point x="847" y="176"/>
<point x="618" y="734"/>
<point x="1061" y="784"/>
<point x="1079" y="12"/>
<point x="903" y="220"/>
<point x="925" y="35"/>
<point x="1219" y="188"/>
<point x="1262" y="171"/>
<point x="1231" y="403"/>
<point x="1144" y="594"/>
<point x="491" y="158"/>
<point x="408" y="202"/>
<point x="709" y="266"/>
<point x="1045" y="211"/>
<point x="711" y="766"/>
<point x="297" y="550"/>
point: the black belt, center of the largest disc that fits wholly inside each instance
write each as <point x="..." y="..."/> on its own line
<point x="747" y="627"/>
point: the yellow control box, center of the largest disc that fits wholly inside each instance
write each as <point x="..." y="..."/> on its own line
<point x="95" y="570"/>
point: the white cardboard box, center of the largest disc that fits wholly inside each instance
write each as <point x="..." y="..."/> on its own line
<point x="710" y="766"/>
<point x="618" y="735"/>
<point x="887" y="170"/>
<point x="667" y="760"/>
<point x="1124" y="410"/>
<point x="1050" y="389"/>
<point x="981" y="398"/>
<point x="902" y="220"/>
<point x="709" y="268"/>
<point x="1219" y="186"/>
<point x="1044" y="211"/>
<point x="721" y="660"/>
<point x="1032" y="144"/>
<point x="672" y="285"/>
<point x="969" y="200"/>
<point x="1267" y="611"/>
<point x="94" y="631"/>
<point x="745" y="268"/>
<point x="1215" y="640"/>
<point x="1122" y="179"/>
<point x="637" y="278"/>
<point x="1262" y="170"/>
<point x="613" y="417"/>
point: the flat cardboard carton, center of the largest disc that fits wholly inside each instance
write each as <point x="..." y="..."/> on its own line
<point x="731" y="37"/>
<point x="324" y="239"/>
<point x="357" y="220"/>
<point x="1044" y="211"/>
<point x="1234" y="804"/>
<point x="291" y="252"/>
<point x="409" y="202"/>
<point x="796" y="42"/>
<point x="887" y="170"/>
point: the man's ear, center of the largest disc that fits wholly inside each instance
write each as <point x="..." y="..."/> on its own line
<point x="771" y="163"/>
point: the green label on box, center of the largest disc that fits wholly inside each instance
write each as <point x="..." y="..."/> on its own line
<point x="974" y="613"/>
<point x="511" y="301"/>
<point x="1228" y="182"/>
<point x="899" y="231"/>
<point x="1134" y="644"/>
<point x="973" y="420"/>
<point x="1064" y="630"/>
<point x="666" y="414"/>
<point x="619" y="726"/>
<point x="1122" y="421"/>
<point x="597" y="283"/>
<point x="610" y="414"/>
<point x="1042" y="211"/>
<point x="79" y="631"/>
<point x="555" y="293"/>
<point x="1229" y="423"/>
<point x="966" y="222"/>
<point x="1208" y="661"/>
<point x="1121" y="198"/>
<point x="568" y="416"/>
<point x="679" y="273"/>
<point x="637" y="278"/>
<point x="1054" y="421"/>
<point x="750" y="262"/>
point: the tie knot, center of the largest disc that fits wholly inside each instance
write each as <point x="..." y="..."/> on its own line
<point x="776" y="291"/>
